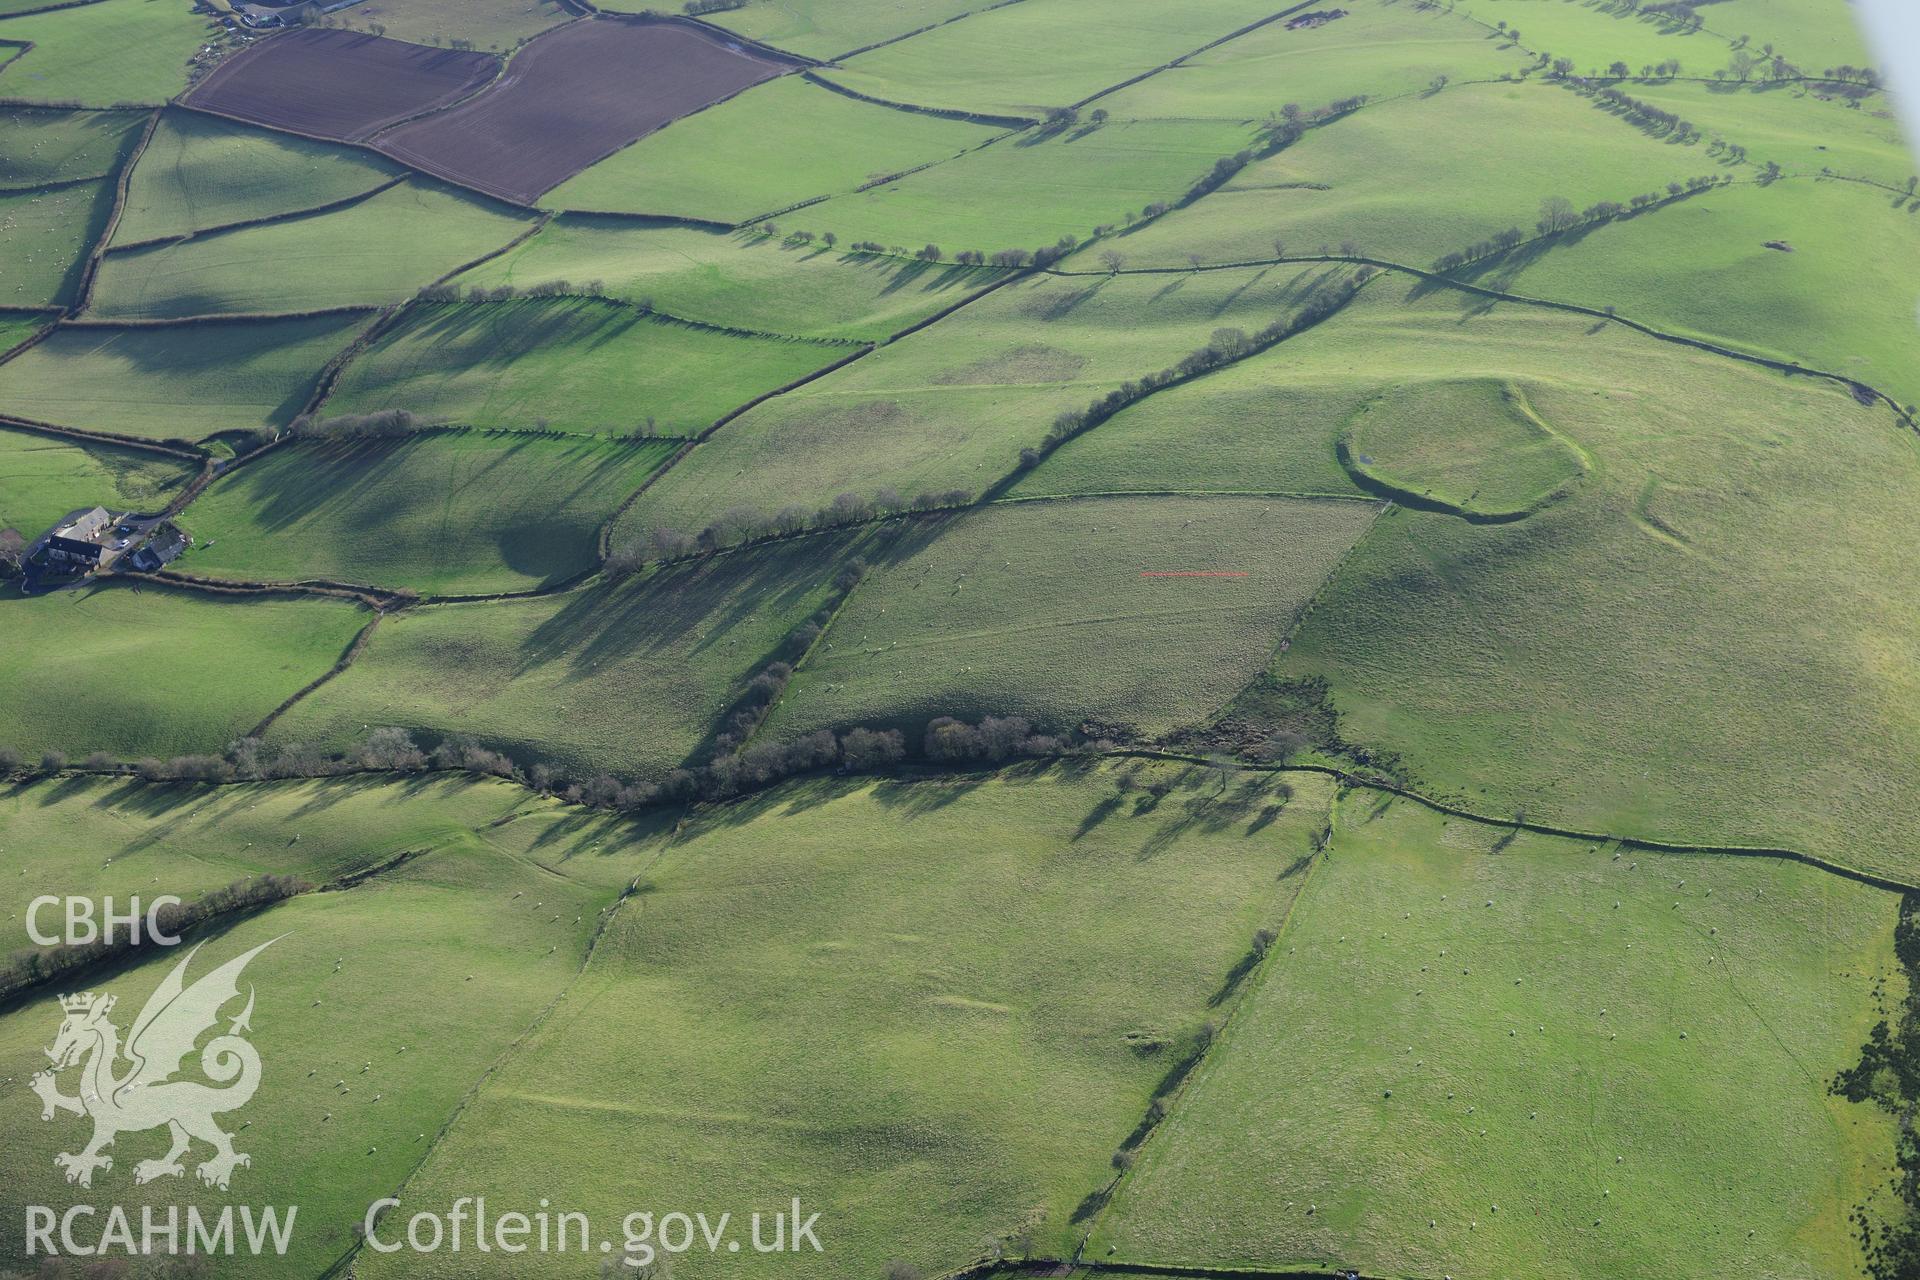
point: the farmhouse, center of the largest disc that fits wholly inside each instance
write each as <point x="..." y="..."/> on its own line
<point x="80" y="543"/>
<point x="159" y="551"/>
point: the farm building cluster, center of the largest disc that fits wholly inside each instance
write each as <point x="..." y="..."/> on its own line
<point x="92" y="540"/>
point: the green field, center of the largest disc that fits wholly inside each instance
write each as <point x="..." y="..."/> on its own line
<point x="107" y="54"/>
<point x="1382" y="48"/>
<point x="42" y="478"/>
<point x="1736" y="524"/>
<point x="626" y="679"/>
<point x="174" y="382"/>
<point x="443" y="512"/>
<point x="200" y="172"/>
<point x="1408" y="180"/>
<point x="1595" y="35"/>
<point x="950" y="408"/>
<point x="1022" y="59"/>
<point x="116" y="838"/>
<point x="1268" y="424"/>
<point x="59" y="146"/>
<point x="1814" y="45"/>
<point x="44" y="236"/>
<point x="1803" y="133"/>
<point x="1841" y="300"/>
<point x="581" y="365"/>
<point x="827" y="28"/>
<point x="1518" y="1058"/>
<point x="377" y="251"/>
<point x="742" y="280"/>
<point x="773" y="146"/>
<point x="1046" y="609"/>
<point x="17" y="327"/>
<point x="153" y="671"/>
<point x="876" y="996"/>
<point x="1435" y="741"/>
<point x="1027" y="190"/>
<point x="498" y="25"/>
<point x="376" y="1008"/>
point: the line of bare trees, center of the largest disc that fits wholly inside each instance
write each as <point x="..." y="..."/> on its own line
<point x="1224" y="347"/>
<point x="739" y="525"/>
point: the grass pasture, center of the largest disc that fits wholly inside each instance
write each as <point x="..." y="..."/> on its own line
<point x="44" y="237"/>
<point x="377" y="251"/>
<point x="116" y="838"/>
<point x="627" y="679"/>
<point x="460" y="511"/>
<point x="174" y="382"/>
<point x="17" y="327"/>
<point x="41" y="479"/>
<point x="1382" y="48"/>
<point x="1022" y="59"/>
<point x="494" y="25"/>
<point x="60" y="146"/>
<point x="1514" y="1057"/>
<point x="1252" y="427"/>
<point x="376" y="1007"/>
<point x="951" y="407"/>
<point x="1841" y="299"/>
<point x="584" y="366"/>
<point x="825" y="29"/>
<point x="149" y="670"/>
<point x="774" y="145"/>
<point x="199" y="172"/>
<point x="1048" y="610"/>
<point x="109" y="53"/>
<point x="1412" y="179"/>
<point x="880" y="996"/>
<point x="1802" y="132"/>
<point x="1582" y="664"/>
<point x="1028" y="190"/>
<point x="742" y="280"/>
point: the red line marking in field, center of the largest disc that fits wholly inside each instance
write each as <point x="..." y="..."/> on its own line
<point x="1192" y="573"/>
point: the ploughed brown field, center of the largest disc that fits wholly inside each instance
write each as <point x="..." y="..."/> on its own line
<point x="572" y="97"/>
<point x="339" y="84"/>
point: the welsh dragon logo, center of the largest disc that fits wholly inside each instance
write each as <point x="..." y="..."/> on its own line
<point x="144" y="1094"/>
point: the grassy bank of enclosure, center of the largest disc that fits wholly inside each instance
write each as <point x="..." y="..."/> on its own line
<point x="1731" y="558"/>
